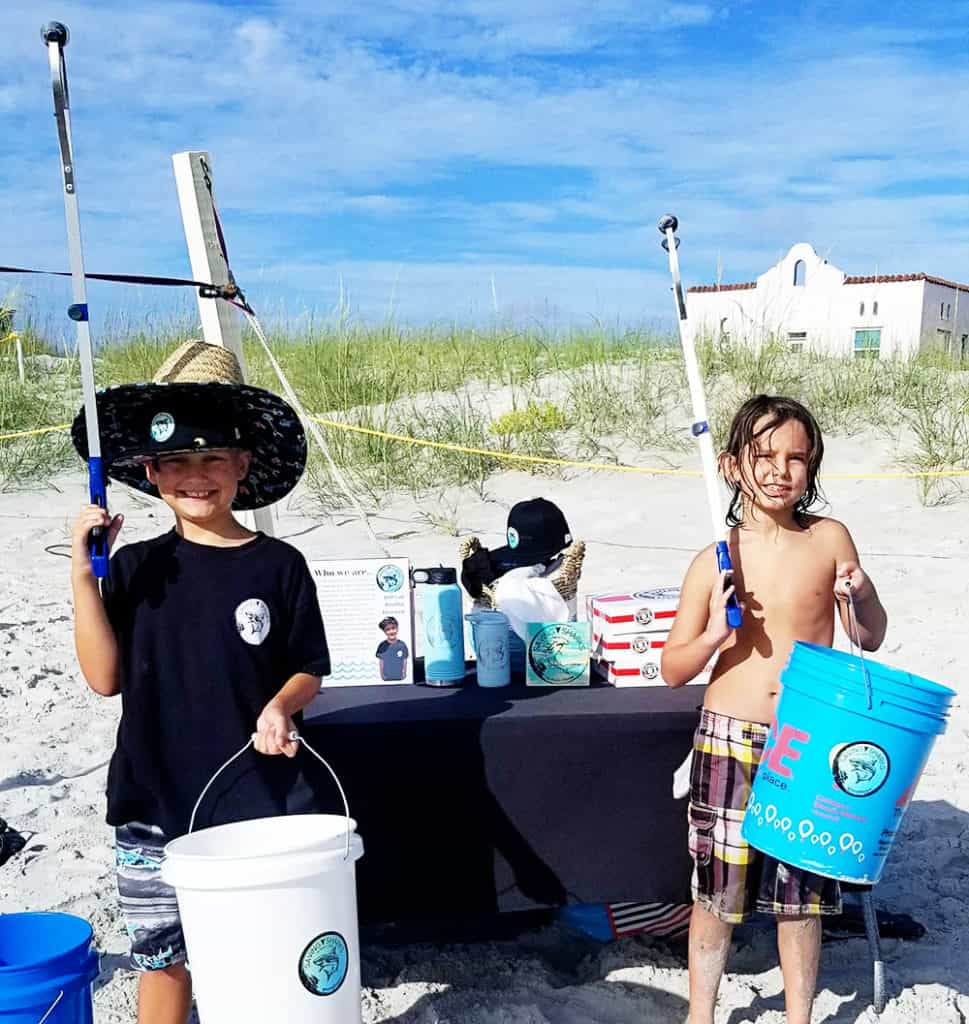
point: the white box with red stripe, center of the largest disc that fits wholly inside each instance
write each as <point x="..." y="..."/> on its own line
<point x="629" y="632"/>
<point x="618" y="616"/>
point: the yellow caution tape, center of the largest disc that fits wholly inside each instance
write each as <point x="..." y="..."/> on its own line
<point x="540" y="460"/>
<point x="12" y="336"/>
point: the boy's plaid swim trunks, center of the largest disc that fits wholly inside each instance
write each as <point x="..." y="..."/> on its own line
<point x="730" y="878"/>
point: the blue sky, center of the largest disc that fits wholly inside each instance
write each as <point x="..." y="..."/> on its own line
<point x="421" y="149"/>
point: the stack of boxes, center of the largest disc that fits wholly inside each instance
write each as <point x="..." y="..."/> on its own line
<point x="629" y="632"/>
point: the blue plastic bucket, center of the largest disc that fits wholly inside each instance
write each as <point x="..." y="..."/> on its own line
<point x="836" y="776"/>
<point x="47" y="966"/>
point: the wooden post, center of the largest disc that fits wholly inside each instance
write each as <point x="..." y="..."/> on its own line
<point x="20" y="357"/>
<point x="220" y="320"/>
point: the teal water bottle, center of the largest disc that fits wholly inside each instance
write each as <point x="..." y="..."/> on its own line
<point x="443" y="626"/>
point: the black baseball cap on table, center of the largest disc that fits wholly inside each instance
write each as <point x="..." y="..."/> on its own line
<point x="536" y="532"/>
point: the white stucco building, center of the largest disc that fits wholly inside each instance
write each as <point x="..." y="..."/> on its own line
<point x="809" y="303"/>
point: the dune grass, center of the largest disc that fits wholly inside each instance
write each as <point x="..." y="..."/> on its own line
<point x="591" y="395"/>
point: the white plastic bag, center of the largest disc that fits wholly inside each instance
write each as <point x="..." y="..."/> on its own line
<point x="525" y="596"/>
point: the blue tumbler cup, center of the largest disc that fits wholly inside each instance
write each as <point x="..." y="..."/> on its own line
<point x="489" y="634"/>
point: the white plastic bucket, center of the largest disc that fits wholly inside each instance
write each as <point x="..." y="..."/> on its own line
<point x="269" y="912"/>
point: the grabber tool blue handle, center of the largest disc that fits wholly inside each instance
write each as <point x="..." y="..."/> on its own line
<point x="734" y="615"/>
<point x="98" y="538"/>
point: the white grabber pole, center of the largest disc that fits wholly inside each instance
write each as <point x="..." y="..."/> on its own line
<point x="55" y="36"/>
<point x="701" y="425"/>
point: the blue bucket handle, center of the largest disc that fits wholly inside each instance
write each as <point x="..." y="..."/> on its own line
<point x="295" y="737"/>
<point x="855" y="641"/>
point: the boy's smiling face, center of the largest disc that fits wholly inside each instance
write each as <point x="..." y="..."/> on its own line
<point x="390" y="631"/>
<point x="774" y="473"/>
<point x="200" y="486"/>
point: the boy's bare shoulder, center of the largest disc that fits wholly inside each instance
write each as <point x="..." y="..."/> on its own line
<point x="830" y="531"/>
<point x="705" y="559"/>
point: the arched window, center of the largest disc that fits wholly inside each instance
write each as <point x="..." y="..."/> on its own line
<point x="800" y="274"/>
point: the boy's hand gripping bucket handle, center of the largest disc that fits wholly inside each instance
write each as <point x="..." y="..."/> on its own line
<point x="295" y="738"/>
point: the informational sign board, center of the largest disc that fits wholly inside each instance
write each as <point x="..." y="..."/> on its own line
<point x="369" y="619"/>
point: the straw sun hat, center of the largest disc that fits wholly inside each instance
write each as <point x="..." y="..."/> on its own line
<point x="199" y="401"/>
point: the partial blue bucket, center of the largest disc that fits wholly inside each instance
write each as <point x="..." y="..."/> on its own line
<point x="47" y="965"/>
<point x="837" y="776"/>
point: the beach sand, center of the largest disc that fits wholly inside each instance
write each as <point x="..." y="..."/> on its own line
<point x="56" y="737"/>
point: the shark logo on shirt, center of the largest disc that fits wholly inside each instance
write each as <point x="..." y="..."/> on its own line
<point x="253" y="621"/>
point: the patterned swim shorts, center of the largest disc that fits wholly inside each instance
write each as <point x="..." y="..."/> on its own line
<point x="731" y="879"/>
<point x="148" y="905"/>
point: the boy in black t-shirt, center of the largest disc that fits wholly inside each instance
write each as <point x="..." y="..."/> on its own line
<point x="208" y="632"/>
<point x="392" y="653"/>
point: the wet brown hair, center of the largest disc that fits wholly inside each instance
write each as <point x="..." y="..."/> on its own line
<point x="742" y="435"/>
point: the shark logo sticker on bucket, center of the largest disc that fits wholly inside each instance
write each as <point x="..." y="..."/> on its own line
<point x="860" y="769"/>
<point x="324" y="963"/>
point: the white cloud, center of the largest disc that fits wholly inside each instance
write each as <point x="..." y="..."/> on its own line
<point x="397" y="113"/>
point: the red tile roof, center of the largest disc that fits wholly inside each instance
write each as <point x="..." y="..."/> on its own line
<point x="890" y="278"/>
<point x="871" y="279"/>
<point x="722" y="287"/>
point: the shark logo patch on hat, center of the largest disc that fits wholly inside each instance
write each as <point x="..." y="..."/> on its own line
<point x="162" y="427"/>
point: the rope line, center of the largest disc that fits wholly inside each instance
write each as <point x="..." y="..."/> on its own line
<point x="605" y="467"/>
<point x="34" y="433"/>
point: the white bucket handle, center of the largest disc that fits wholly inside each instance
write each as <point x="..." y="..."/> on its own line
<point x="295" y="738"/>
<point x="52" y="1007"/>
<point x="855" y="641"/>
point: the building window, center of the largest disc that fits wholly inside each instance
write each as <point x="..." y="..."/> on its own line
<point x="800" y="274"/>
<point x="944" y="338"/>
<point x="948" y="311"/>
<point x="874" y="308"/>
<point x="797" y="340"/>
<point x="965" y="346"/>
<point x="861" y="309"/>
<point x="868" y="344"/>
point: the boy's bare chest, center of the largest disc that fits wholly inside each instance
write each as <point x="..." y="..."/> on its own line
<point x="793" y="579"/>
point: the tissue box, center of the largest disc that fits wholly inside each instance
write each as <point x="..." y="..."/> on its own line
<point x="615" y="616"/>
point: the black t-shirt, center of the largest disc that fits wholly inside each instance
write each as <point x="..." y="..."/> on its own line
<point x="207" y="636"/>
<point x="393" y="657"/>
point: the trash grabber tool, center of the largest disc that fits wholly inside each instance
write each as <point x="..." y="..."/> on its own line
<point x="55" y="36"/>
<point x="701" y="425"/>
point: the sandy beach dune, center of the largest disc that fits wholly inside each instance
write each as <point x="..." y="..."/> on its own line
<point x="56" y="738"/>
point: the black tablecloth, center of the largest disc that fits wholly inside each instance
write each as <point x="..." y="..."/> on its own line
<point x="476" y="800"/>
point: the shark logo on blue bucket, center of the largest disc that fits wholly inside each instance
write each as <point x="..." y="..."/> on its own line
<point x="324" y="964"/>
<point x="860" y="769"/>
